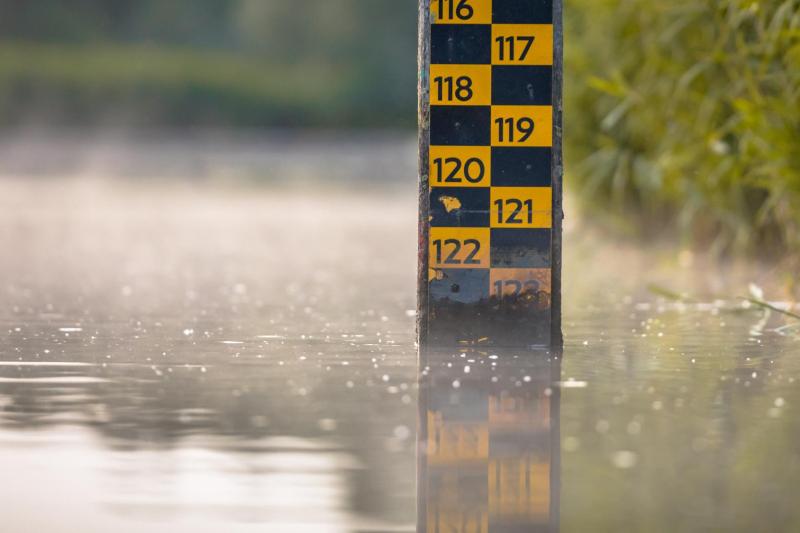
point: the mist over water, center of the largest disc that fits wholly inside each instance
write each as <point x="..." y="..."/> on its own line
<point x="220" y="351"/>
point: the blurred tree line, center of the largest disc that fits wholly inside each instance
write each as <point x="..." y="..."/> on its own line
<point x="208" y="62"/>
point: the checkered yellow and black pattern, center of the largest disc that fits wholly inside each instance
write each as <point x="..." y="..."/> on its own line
<point x="490" y="174"/>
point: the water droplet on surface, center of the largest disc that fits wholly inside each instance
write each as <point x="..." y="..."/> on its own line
<point x="634" y="428"/>
<point x="624" y="459"/>
<point x="572" y="383"/>
<point x="327" y="424"/>
<point x="571" y="444"/>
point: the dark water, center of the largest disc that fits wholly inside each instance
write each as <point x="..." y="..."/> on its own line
<point x="194" y="355"/>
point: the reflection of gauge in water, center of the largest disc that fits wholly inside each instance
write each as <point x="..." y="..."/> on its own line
<point x="489" y="442"/>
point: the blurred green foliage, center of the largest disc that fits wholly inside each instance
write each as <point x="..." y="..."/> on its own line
<point x="685" y="115"/>
<point x="253" y="63"/>
<point x="681" y="116"/>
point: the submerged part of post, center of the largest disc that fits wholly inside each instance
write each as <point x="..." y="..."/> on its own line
<point x="490" y="191"/>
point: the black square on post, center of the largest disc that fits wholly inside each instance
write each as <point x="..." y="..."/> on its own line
<point x="461" y="44"/>
<point x="521" y="248"/>
<point x="522" y="85"/>
<point x="460" y="286"/>
<point x="461" y="125"/>
<point x="522" y="167"/>
<point x="460" y="207"/>
<point x="522" y="11"/>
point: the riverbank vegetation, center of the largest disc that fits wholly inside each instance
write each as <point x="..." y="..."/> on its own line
<point x="685" y="116"/>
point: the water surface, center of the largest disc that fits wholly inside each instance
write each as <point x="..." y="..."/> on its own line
<point x="209" y="349"/>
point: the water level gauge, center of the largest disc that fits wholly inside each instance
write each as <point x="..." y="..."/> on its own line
<point x="490" y="168"/>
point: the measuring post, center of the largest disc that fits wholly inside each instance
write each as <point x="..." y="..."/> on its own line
<point x="490" y="170"/>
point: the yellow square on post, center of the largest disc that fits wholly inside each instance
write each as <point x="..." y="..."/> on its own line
<point x="521" y="207"/>
<point x="520" y="282"/>
<point x="523" y="125"/>
<point x="459" y="247"/>
<point x="461" y="11"/>
<point x="522" y="44"/>
<point x="461" y="85"/>
<point x="460" y="166"/>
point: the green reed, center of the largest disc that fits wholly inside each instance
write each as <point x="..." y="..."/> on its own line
<point x="685" y="115"/>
